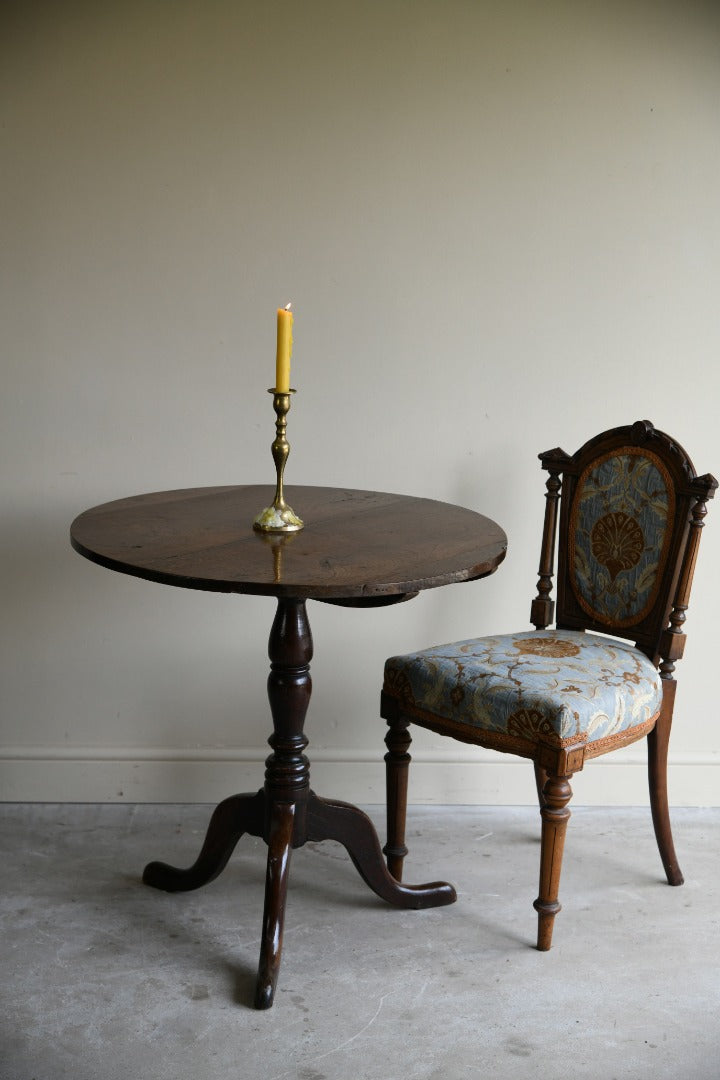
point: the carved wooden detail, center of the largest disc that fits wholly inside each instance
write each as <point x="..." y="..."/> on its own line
<point x="672" y="642"/>
<point x="542" y="611"/>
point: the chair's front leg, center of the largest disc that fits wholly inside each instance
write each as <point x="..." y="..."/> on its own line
<point x="397" y="766"/>
<point x="540" y="780"/>
<point x="556" y="794"/>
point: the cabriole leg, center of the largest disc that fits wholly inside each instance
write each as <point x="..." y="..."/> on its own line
<point x="234" y="816"/>
<point x="276" y="883"/>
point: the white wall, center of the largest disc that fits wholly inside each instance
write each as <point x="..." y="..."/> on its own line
<point x="498" y="225"/>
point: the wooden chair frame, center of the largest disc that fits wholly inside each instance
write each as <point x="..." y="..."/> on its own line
<point x="659" y="634"/>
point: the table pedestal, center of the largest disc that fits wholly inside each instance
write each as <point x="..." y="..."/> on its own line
<point x="286" y="813"/>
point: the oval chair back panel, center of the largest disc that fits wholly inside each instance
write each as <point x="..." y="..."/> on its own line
<point x="620" y="526"/>
<point x="625" y="517"/>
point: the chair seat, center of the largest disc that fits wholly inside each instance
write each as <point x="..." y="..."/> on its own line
<point x="559" y="687"/>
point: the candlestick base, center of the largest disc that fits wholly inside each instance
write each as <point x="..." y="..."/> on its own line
<point x="279" y="518"/>
<point x="275" y="519"/>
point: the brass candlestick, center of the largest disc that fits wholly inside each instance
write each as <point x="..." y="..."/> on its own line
<point x="279" y="518"/>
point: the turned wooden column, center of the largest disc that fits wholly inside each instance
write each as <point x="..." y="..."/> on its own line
<point x="287" y="778"/>
<point x="290" y="648"/>
<point x="555" y="816"/>
<point x="397" y="765"/>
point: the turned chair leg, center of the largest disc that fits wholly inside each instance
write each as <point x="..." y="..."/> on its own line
<point x="657" y="741"/>
<point x="397" y="766"/>
<point x="540" y="780"/>
<point x="556" y="795"/>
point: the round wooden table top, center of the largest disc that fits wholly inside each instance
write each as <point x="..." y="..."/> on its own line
<point x="358" y="547"/>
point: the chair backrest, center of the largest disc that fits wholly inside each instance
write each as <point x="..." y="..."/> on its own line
<point x="631" y="513"/>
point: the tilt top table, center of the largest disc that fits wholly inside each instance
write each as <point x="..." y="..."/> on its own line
<point x="358" y="549"/>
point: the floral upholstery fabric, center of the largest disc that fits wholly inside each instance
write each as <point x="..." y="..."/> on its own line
<point x="559" y="687"/>
<point x="619" y="531"/>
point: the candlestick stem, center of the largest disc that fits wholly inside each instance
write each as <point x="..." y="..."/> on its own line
<point x="279" y="517"/>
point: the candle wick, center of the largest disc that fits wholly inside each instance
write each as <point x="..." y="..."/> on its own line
<point x="288" y="306"/>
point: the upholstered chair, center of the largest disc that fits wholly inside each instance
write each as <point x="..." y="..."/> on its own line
<point x="631" y="512"/>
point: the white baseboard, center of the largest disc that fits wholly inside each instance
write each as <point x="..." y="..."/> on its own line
<point x="464" y="776"/>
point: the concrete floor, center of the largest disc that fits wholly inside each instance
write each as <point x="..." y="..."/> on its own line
<point x="103" y="978"/>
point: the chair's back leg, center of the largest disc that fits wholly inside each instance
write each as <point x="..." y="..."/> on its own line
<point x="658" y="740"/>
<point x="672" y="647"/>
<point x="397" y="767"/>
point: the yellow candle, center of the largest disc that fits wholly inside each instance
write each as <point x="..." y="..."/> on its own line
<point x="284" y="349"/>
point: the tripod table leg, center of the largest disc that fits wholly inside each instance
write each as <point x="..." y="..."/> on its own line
<point x="276" y="884"/>
<point x="234" y="816"/>
<point x="329" y="819"/>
